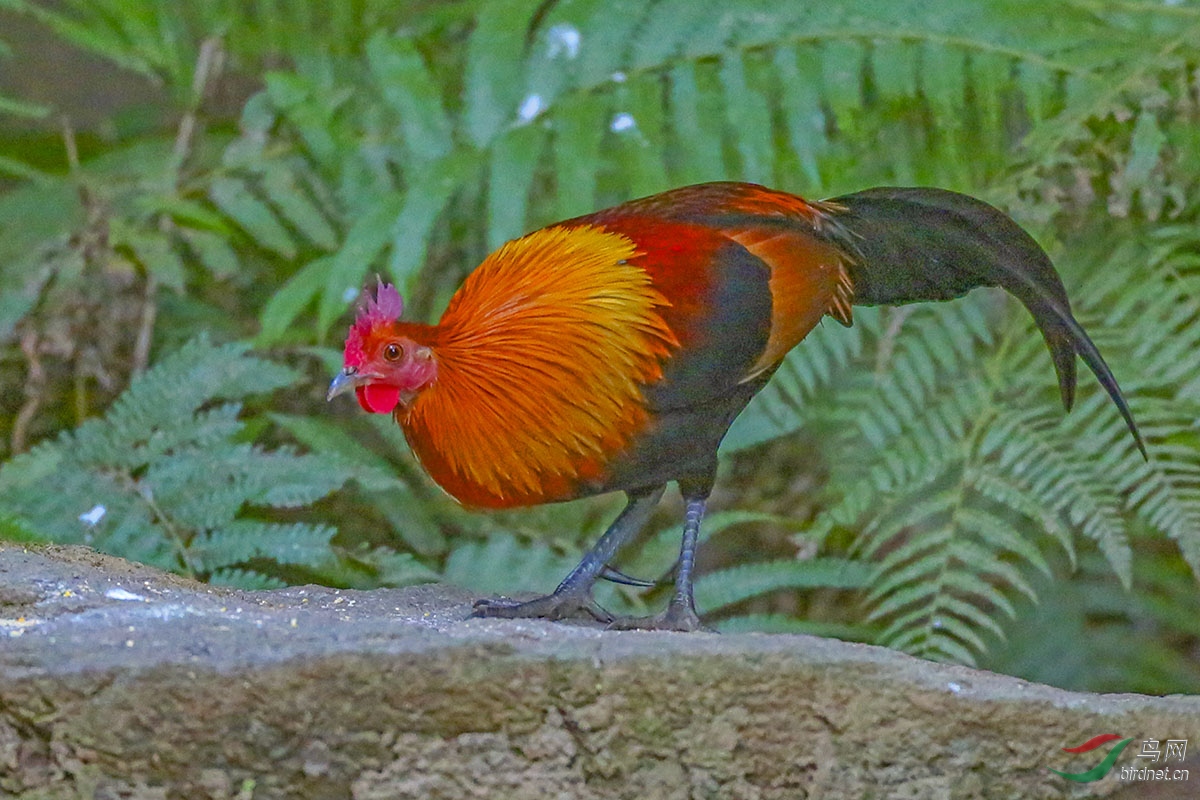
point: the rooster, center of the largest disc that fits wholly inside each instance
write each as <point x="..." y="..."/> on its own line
<point x="611" y="352"/>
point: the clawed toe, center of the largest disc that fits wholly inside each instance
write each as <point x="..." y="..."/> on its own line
<point x="550" y="606"/>
<point x="676" y="617"/>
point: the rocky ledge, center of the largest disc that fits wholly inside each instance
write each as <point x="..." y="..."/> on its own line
<point x="120" y="681"/>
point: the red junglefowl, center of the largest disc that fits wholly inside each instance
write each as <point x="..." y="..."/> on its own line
<point x="612" y="351"/>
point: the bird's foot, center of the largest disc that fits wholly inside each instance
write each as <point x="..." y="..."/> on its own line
<point x="559" y="605"/>
<point x="676" y="617"/>
<point x="616" y="576"/>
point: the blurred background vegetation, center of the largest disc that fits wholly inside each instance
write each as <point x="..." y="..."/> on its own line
<point x="192" y="195"/>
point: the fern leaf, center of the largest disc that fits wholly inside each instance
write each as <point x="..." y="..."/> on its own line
<point x="290" y="300"/>
<point x="636" y="136"/>
<point x="242" y="541"/>
<point x="733" y="585"/>
<point x="579" y="129"/>
<point x="901" y="599"/>
<point x="492" y="83"/>
<point x="254" y="216"/>
<point x="283" y="479"/>
<point x="1062" y="481"/>
<point x="245" y="579"/>
<point x="331" y="440"/>
<point x="410" y="229"/>
<point x="968" y="583"/>
<point x="161" y="479"/>
<point x="749" y="120"/>
<point x="662" y="549"/>
<point x="363" y="243"/>
<point x="514" y="159"/>
<point x="1000" y="537"/>
<point x="697" y="155"/>
<point x="407" y="84"/>
<point x="505" y="564"/>
<point x="290" y="199"/>
<point x="387" y="567"/>
<point x="799" y="69"/>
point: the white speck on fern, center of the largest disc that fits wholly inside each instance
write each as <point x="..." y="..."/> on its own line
<point x="563" y="40"/>
<point x="530" y="108"/>
<point x="622" y="122"/>
<point x="92" y="516"/>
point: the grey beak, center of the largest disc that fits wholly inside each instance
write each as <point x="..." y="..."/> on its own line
<point x="343" y="382"/>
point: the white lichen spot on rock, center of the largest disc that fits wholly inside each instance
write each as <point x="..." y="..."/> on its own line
<point x="117" y="593"/>
<point x="17" y="627"/>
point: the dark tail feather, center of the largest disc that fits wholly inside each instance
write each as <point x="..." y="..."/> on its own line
<point x="914" y="245"/>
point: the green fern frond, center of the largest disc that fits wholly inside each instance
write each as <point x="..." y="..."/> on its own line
<point x="728" y="587"/>
<point x="1062" y="479"/>
<point x="938" y="511"/>
<point x="762" y="92"/>
<point x="503" y="563"/>
<point x="246" y="579"/>
<point x="661" y="550"/>
<point x="332" y="440"/>
<point x="1160" y="318"/>
<point x="1086" y="632"/>
<point x="162" y="479"/>
<point x="382" y="566"/>
<point x="184" y="381"/>
<point x="242" y="541"/>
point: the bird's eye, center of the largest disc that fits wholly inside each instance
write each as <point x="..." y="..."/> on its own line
<point x="392" y="352"/>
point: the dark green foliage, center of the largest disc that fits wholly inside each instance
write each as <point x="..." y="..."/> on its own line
<point x="166" y="478"/>
<point x="933" y="489"/>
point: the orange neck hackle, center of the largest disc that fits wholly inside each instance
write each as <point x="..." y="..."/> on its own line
<point x="541" y="358"/>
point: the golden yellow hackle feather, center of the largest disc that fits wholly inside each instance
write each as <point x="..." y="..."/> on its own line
<point x="542" y="357"/>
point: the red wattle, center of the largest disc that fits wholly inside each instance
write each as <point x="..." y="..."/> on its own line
<point x="378" y="398"/>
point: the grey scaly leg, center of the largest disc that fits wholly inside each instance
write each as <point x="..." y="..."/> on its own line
<point x="574" y="594"/>
<point x="680" y="614"/>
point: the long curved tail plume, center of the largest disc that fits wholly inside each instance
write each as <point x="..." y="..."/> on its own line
<point x="914" y="244"/>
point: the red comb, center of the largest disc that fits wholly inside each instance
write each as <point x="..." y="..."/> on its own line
<point x="384" y="307"/>
<point x="386" y="304"/>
